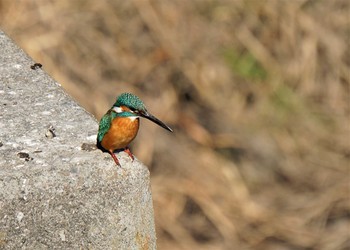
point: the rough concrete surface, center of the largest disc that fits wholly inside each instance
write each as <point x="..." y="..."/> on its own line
<point x="56" y="193"/>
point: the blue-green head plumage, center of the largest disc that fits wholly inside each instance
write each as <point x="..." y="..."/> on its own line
<point x="131" y="101"/>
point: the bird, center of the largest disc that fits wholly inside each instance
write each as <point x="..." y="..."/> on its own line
<point x="119" y="126"/>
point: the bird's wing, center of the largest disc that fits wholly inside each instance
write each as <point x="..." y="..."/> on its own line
<point x="104" y="126"/>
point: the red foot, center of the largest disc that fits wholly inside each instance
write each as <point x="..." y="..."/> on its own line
<point x="127" y="150"/>
<point x="115" y="158"/>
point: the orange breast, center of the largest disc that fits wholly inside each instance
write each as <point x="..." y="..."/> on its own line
<point x="122" y="131"/>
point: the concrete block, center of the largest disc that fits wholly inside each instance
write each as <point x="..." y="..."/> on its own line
<point x="56" y="190"/>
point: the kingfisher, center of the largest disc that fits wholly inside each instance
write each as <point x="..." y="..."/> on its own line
<point x="119" y="126"/>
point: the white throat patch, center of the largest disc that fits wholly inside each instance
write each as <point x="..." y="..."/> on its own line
<point x="133" y="118"/>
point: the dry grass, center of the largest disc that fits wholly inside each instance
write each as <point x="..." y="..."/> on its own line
<point x="258" y="94"/>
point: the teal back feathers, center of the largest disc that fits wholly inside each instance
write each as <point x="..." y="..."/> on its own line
<point x="105" y="124"/>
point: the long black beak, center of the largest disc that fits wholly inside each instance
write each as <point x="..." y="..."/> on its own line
<point x="154" y="119"/>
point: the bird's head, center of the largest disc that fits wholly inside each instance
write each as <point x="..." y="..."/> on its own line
<point x="129" y="105"/>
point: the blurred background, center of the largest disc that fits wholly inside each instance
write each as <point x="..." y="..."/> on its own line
<point x="257" y="93"/>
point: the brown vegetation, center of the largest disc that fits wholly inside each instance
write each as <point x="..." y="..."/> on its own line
<point x="256" y="91"/>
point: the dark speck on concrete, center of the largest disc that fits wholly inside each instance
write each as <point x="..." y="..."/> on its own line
<point x="36" y="66"/>
<point x="50" y="132"/>
<point x="25" y="156"/>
